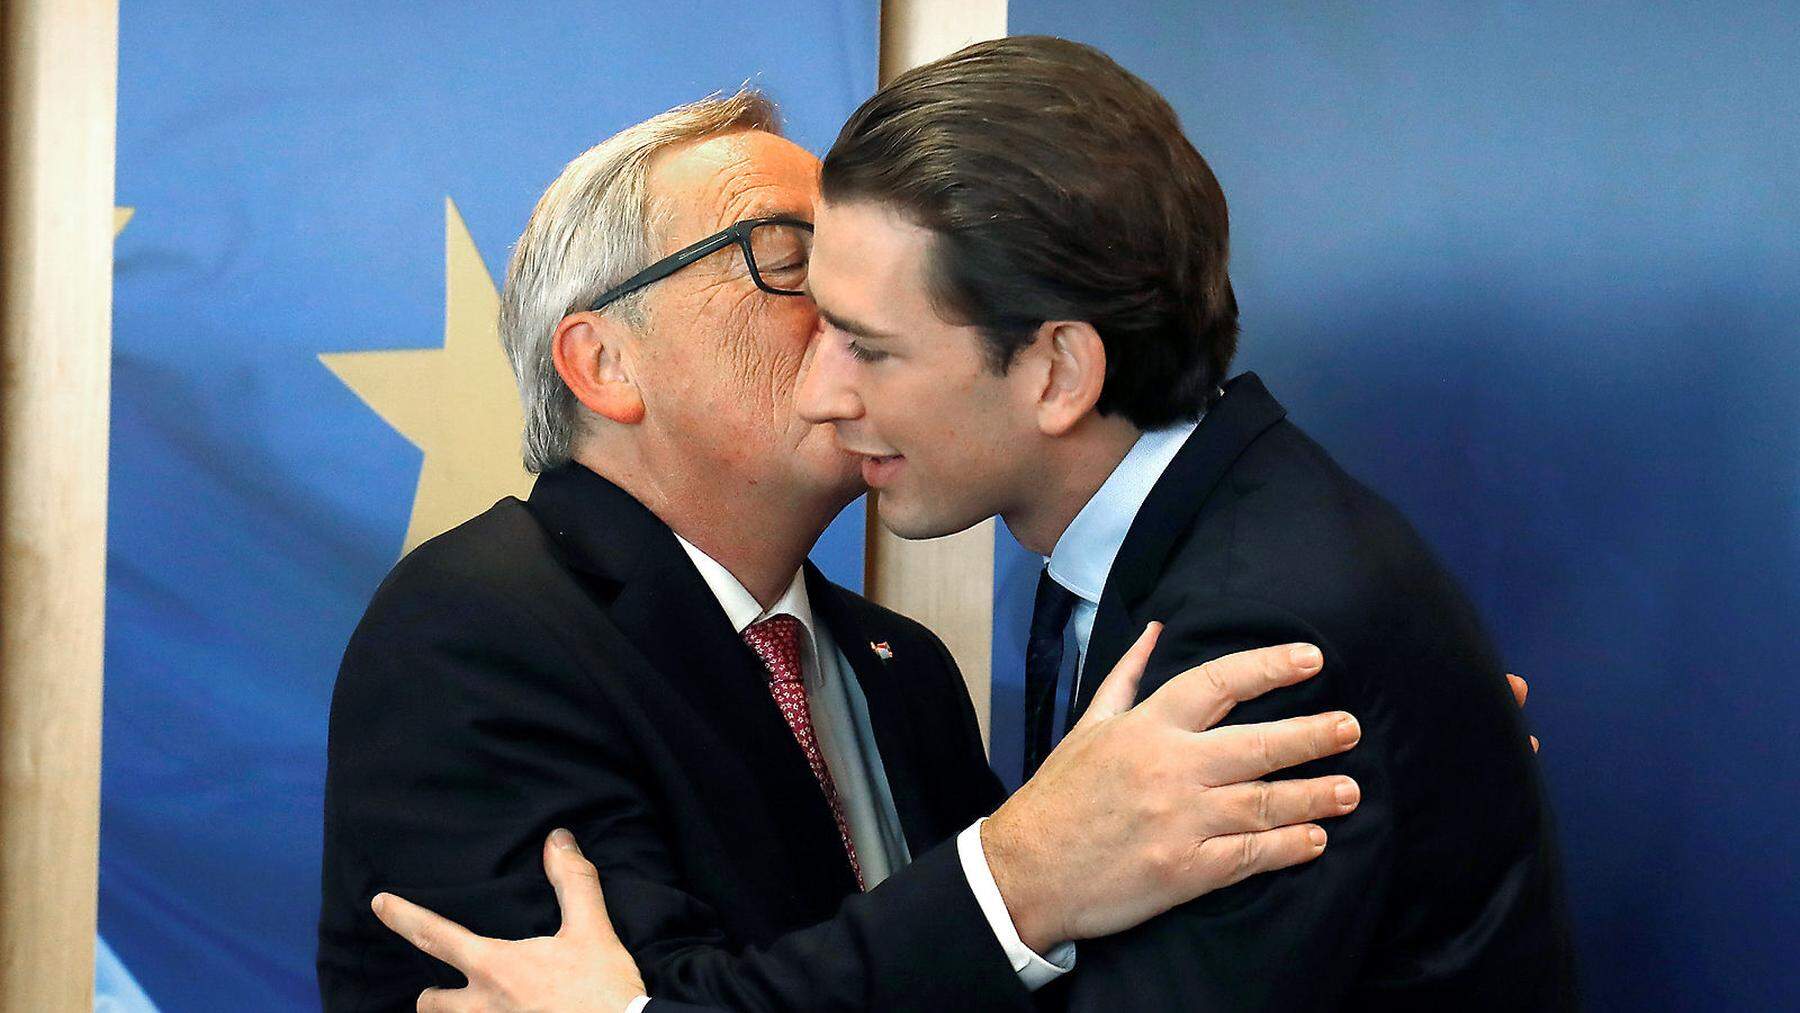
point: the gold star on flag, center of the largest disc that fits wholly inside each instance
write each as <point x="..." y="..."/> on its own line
<point x="458" y="404"/>
<point x="120" y="217"/>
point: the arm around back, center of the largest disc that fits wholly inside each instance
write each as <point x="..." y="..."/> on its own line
<point x="464" y="728"/>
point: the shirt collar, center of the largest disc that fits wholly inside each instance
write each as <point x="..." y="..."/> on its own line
<point x="1084" y="555"/>
<point x="739" y="604"/>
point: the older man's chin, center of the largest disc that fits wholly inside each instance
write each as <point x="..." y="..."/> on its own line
<point x="837" y="472"/>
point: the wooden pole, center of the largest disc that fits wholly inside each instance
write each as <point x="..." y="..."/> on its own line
<point x="56" y="222"/>
<point x="945" y="583"/>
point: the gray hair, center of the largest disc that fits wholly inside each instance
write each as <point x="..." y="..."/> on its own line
<point x="591" y="230"/>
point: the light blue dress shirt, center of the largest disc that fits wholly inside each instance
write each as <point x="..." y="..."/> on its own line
<point x="1083" y="556"/>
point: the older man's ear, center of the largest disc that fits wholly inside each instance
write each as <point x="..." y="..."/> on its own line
<point x="591" y="353"/>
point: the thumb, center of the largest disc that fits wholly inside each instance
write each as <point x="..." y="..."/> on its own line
<point x="577" y="885"/>
<point x="1117" y="694"/>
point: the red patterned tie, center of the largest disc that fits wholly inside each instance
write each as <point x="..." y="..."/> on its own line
<point x="776" y="640"/>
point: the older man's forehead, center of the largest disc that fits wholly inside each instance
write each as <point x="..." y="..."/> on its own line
<point x="766" y="197"/>
<point x="750" y="174"/>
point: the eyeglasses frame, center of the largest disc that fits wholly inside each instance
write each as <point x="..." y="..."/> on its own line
<point x="738" y="233"/>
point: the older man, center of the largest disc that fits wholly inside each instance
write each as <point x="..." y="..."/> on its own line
<point x="782" y="782"/>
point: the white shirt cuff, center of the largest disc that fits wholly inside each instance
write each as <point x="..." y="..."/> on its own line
<point x="637" y="1005"/>
<point x="1034" y="971"/>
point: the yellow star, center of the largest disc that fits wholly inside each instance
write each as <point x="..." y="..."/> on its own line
<point x="120" y="217"/>
<point x="458" y="404"/>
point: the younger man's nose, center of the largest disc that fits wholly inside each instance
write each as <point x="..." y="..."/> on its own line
<point x="823" y="392"/>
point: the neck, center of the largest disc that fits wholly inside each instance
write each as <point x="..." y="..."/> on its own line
<point x="759" y="532"/>
<point x="1075" y="466"/>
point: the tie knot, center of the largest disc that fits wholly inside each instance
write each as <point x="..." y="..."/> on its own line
<point x="776" y="640"/>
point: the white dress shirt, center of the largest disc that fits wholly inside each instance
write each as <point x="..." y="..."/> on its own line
<point x="1083" y="556"/>
<point x="840" y="719"/>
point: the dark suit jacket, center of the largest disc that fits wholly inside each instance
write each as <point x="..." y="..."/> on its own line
<point x="1442" y="891"/>
<point x="560" y="662"/>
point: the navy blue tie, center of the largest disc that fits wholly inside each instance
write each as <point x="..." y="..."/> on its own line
<point x="1043" y="667"/>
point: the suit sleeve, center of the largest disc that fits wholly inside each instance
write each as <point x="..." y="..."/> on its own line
<point x="462" y="733"/>
<point x="1289" y="940"/>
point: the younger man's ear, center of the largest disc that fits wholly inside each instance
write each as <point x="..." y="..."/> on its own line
<point x="1077" y="371"/>
<point x="592" y="357"/>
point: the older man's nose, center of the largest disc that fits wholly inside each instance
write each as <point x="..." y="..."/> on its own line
<point x="823" y="393"/>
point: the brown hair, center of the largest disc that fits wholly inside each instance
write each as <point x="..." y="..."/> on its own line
<point x="1060" y="187"/>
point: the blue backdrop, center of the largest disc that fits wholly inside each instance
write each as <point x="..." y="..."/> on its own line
<point x="1532" y="271"/>
<point x="288" y="170"/>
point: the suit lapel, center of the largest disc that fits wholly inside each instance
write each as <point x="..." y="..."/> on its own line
<point x="1232" y="424"/>
<point x="659" y="601"/>
<point x="857" y="629"/>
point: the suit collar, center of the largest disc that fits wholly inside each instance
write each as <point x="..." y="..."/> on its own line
<point x="858" y="627"/>
<point x="1230" y="426"/>
<point x="1085" y="552"/>
<point x="658" y="600"/>
<point x="740" y="606"/>
<point x="656" y="597"/>
<point x="597" y="526"/>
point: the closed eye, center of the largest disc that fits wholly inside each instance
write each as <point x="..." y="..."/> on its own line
<point x="862" y="353"/>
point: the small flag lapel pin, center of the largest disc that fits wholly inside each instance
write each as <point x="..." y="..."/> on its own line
<point x="882" y="650"/>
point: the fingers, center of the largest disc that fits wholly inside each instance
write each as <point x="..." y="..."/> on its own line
<point x="1520" y="690"/>
<point x="1119" y="691"/>
<point x="1519" y="687"/>
<point x="1197" y="698"/>
<point x="577" y="885"/>
<point x="1266" y="805"/>
<point x="1234" y="857"/>
<point x="1247" y="752"/>
<point x="431" y="932"/>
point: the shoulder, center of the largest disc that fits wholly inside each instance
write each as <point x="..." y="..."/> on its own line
<point x="502" y="545"/>
<point x="482" y="570"/>
<point x="1287" y="478"/>
<point x="1289" y="535"/>
<point x="1297" y="528"/>
<point x="481" y="622"/>
<point x="490" y="595"/>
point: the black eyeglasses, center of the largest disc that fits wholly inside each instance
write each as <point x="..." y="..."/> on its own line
<point x="776" y="250"/>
